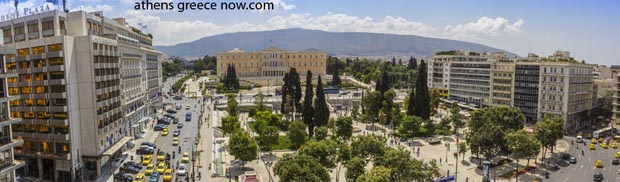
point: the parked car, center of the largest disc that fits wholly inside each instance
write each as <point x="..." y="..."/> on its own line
<point x="179" y="107"/>
<point x="180" y="125"/>
<point x="171" y="111"/>
<point x="150" y="144"/>
<point x="615" y="162"/>
<point x="123" y="177"/>
<point x="181" y="171"/>
<point x="134" y="164"/>
<point x="175" y="120"/>
<point x="118" y="161"/>
<point x="130" y="169"/>
<point x="159" y="127"/>
<point x="145" y="151"/>
<point x="572" y="160"/>
<point x="176" y="133"/>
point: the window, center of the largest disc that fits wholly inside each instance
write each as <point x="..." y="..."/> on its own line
<point x="26" y="77"/>
<point x="40" y="89"/>
<point x="11" y="66"/>
<point x="57" y="88"/>
<point x="24" y="65"/>
<point x="30" y="128"/>
<point x="23" y="52"/>
<point x="60" y="115"/>
<point x="14" y="103"/>
<point x="11" y="79"/>
<point x="28" y="102"/>
<point x="15" y="114"/>
<point x="26" y="90"/>
<point x="38" y="50"/>
<point x="56" y="61"/>
<point x="59" y="102"/>
<point x="40" y="76"/>
<point x="13" y="91"/>
<point x="44" y="115"/>
<point x="61" y="129"/>
<point x="41" y="102"/>
<point x="54" y="47"/>
<point x="57" y="75"/>
<point x="39" y="63"/>
<point x="16" y="127"/>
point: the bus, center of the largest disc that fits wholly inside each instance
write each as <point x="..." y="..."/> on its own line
<point x="604" y="132"/>
<point x="188" y="116"/>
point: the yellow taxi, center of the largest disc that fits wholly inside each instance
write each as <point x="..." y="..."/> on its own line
<point x="589" y="136"/>
<point x="592" y="147"/>
<point x="594" y="141"/>
<point x="185" y="158"/>
<point x="147" y="160"/>
<point x="600" y="140"/>
<point x="603" y="145"/>
<point x="161" y="167"/>
<point x="186" y="107"/>
<point x="139" y="177"/>
<point x="175" y="141"/>
<point x="164" y="133"/>
<point x="599" y="163"/>
<point x="161" y="156"/>
<point x="168" y="175"/>
<point x="618" y="170"/>
<point x="617" y="155"/>
<point x="149" y="169"/>
<point x="613" y="146"/>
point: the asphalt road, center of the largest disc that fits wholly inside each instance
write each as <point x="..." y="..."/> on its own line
<point x="585" y="169"/>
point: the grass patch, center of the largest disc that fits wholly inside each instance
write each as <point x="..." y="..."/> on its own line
<point x="513" y="173"/>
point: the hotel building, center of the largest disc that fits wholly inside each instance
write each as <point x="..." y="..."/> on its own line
<point x="87" y="84"/>
<point x="268" y="66"/>
<point x="557" y="85"/>
<point x="8" y="164"/>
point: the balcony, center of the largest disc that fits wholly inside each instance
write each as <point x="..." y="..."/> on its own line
<point x="22" y="58"/>
<point x="58" y="108"/>
<point x="40" y="83"/>
<point x="60" y="137"/>
<point x="11" y="166"/>
<point x="59" y="121"/>
<point x="56" y="68"/>
<point x="10" y="121"/>
<point x="39" y="70"/>
<point x="56" y="54"/>
<point x="58" y="82"/>
<point x="7" y="143"/>
<point x="39" y="56"/>
<point x="58" y="95"/>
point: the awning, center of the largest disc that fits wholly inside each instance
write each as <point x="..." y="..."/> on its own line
<point x="118" y="145"/>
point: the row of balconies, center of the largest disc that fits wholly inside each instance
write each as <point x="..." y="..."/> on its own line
<point x="107" y="65"/>
<point x="49" y="155"/>
<point x="47" y="121"/>
<point x="42" y="136"/>
<point x="40" y="108"/>
<point x="43" y="69"/>
<point x="108" y="89"/>
<point x="39" y="83"/>
<point x="55" y="54"/>
<point x="107" y="77"/>
<point x="44" y="96"/>
<point x="106" y="53"/>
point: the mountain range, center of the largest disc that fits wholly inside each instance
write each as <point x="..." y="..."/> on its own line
<point x="334" y="43"/>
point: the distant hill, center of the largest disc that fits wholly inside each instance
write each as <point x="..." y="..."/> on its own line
<point x="334" y="43"/>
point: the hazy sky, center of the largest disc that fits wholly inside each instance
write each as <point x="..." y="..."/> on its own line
<point x="588" y="29"/>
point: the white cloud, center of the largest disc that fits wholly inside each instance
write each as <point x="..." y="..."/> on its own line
<point x="484" y="27"/>
<point x="281" y="5"/>
<point x="98" y="7"/>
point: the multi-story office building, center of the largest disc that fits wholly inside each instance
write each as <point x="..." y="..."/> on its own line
<point x="268" y="66"/>
<point x="8" y="164"/>
<point x="502" y="80"/>
<point x="616" y="94"/>
<point x="526" y="86"/>
<point x="466" y="75"/>
<point x="439" y="73"/>
<point x="77" y="81"/>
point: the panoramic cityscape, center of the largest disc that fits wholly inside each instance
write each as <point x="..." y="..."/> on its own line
<point x="308" y="91"/>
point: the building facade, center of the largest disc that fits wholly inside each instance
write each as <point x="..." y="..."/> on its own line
<point x="466" y="76"/>
<point x="84" y="86"/>
<point x="8" y="163"/>
<point x="268" y="66"/>
<point x="616" y="94"/>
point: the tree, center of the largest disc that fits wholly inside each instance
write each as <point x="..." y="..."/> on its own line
<point x="259" y="104"/>
<point x="285" y="106"/>
<point x="368" y="146"/>
<point x="300" y="168"/>
<point x="376" y="174"/>
<point x="397" y="117"/>
<point x="321" y="133"/>
<point x="355" y="112"/>
<point x="435" y="95"/>
<point x="410" y="102"/>
<point x="522" y="145"/>
<point x="355" y="167"/>
<point x="457" y="119"/>
<point x="405" y="168"/>
<point x="344" y="128"/>
<point x="548" y="131"/>
<point x="421" y="100"/>
<point x="296" y="89"/>
<point x="243" y="147"/>
<point x="393" y="61"/>
<point x="387" y="105"/>
<point x="487" y="128"/>
<point x="231" y="82"/>
<point x="232" y="106"/>
<point x="308" y="110"/>
<point x="325" y="151"/>
<point x="297" y="133"/>
<point x="268" y="136"/>
<point x="462" y="148"/>
<point x="372" y="105"/>
<point x="321" y="112"/>
<point x="412" y="63"/>
<point x="230" y="124"/>
<point x="336" y="79"/>
<point x="409" y="126"/>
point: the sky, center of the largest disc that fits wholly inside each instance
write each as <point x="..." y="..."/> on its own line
<point x="588" y="29"/>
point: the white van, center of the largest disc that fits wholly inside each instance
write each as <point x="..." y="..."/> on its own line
<point x="579" y="139"/>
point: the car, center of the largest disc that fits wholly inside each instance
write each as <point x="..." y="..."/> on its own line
<point x="592" y="146"/>
<point x="175" y="120"/>
<point x="598" y="163"/>
<point x="144" y="151"/>
<point x="159" y="127"/>
<point x="171" y="111"/>
<point x="133" y="164"/>
<point x="164" y="121"/>
<point x="180" y="125"/>
<point x="579" y="139"/>
<point x="605" y="146"/>
<point x="179" y="107"/>
<point x="185" y="158"/>
<point x="181" y="171"/>
<point x="168" y="175"/>
<point x="147" y="160"/>
<point x="613" y="146"/>
<point x="594" y="141"/>
<point x="150" y="168"/>
<point x="154" y="177"/>
<point x="123" y="177"/>
<point x="161" y="167"/>
<point x="598" y="177"/>
<point x="600" y="140"/>
<point x="186" y="107"/>
<point x="150" y="144"/>
<point x="169" y="116"/>
<point x="615" y="162"/>
<point x="175" y="141"/>
<point x="572" y="160"/>
<point x="161" y="156"/>
<point x="176" y="133"/>
<point x="618" y="170"/>
<point x="565" y="156"/>
<point x="164" y="133"/>
<point x="130" y="169"/>
<point x="118" y="161"/>
<point x="139" y="177"/>
<point x="177" y="98"/>
<point x="617" y="155"/>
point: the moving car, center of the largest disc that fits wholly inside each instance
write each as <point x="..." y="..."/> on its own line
<point x="150" y="144"/>
<point x="180" y="125"/>
<point x="175" y="141"/>
<point x="139" y="177"/>
<point x="179" y="107"/>
<point x="154" y="177"/>
<point x="159" y="127"/>
<point x="175" y="120"/>
<point x="133" y="164"/>
<point x="594" y="141"/>
<point x="599" y="163"/>
<point x="186" y="107"/>
<point x="615" y="162"/>
<point x="613" y="146"/>
<point x="603" y="145"/>
<point x="617" y="155"/>
<point x="147" y="160"/>
<point x="572" y="160"/>
<point x="145" y="150"/>
<point x="185" y="158"/>
<point x="579" y="139"/>
<point x="149" y="169"/>
<point x="172" y="111"/>
<point x="598" y="177"/>
<point x="161" y="167"/>
<point x="130" y="169"/>
<point x="592" y="146"/>
<point x="161" y="156"/>
<point x="188" y="116"/>
<point x="176" y="133"/>
<point x="168" y="175"/>
<point x="123" y="177"/>
<point x="181" y="171"/>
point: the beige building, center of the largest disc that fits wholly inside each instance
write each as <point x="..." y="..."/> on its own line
<point x="85" y="83"/>
<point x="616" y="93"/>
<point x="268" y="66"/>
<point x="502" y="81"/>
<point x="8" y="163"/>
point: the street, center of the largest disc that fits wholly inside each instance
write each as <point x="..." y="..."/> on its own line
<point x="584" y="170"/>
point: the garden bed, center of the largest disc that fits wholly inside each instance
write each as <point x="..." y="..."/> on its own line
<point x="521" y="171"/>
